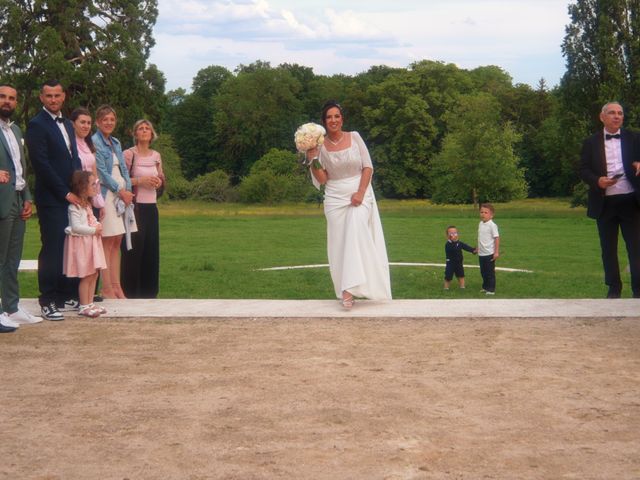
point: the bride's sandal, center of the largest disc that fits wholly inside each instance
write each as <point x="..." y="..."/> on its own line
<point x="347" y="302"/>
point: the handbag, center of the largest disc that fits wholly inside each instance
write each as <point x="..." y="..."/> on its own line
<point x="160" y="189"/>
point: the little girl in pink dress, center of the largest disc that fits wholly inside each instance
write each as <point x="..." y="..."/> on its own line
<point x="83" y="251"/>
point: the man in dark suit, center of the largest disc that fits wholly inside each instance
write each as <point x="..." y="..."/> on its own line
<point x="15" y="209"/>
<point x="610" y="165"/>
<point x="54" y="155"/>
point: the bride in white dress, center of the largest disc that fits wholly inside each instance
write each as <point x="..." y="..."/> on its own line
<point x="355" y="242"/>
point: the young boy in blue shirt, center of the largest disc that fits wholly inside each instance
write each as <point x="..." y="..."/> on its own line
<point x="453" y="251"/>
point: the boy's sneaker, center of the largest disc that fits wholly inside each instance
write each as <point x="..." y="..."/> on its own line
<point x="490" y="293"/>
<point x="69" y="305"/>
<point x="483" y="291"/>
<point x="51" y="312"/>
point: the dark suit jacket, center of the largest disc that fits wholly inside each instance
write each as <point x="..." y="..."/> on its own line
<point x="51" y="160"/>
<point x="593" y="165"/>
<point x="8" y="190"/>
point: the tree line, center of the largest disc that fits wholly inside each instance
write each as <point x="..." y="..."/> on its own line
<point x="434" y="130"/>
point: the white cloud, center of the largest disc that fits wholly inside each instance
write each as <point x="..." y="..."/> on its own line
<point x="293" y="23"/>
<point x="347" y="24"/>
<point x="348" y="36"/>
<point x="208" y="11"/>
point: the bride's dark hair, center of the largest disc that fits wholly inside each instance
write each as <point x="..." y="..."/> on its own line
<point x="325" y="108"/>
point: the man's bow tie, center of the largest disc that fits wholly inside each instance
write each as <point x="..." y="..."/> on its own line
<point x="609" y="137"/>
<point x="61" y="120"/>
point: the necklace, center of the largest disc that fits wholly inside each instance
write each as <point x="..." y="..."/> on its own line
<point x="336" y="142"/>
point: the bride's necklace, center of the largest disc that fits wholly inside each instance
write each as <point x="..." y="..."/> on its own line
<point x="337" y="141"/>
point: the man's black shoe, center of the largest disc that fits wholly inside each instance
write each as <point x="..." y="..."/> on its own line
<point x="51" y="312"/>
<point x="5" y="329"/>
<point x="68" y="305"/>
<point x="613" y="294"/>
<point x="97" y="298"/>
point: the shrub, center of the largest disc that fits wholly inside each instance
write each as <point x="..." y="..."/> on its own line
<point x="276" y="177"/>
<point x="579" y="197"/>
<point x="213" y="186"/>
<point x="178" y="187"/>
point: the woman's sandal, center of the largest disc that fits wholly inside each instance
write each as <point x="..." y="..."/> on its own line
<point x="89" y="311"/>
<point x="348" y="302"/>
<point x="109" y="294"/>
<point x="117" y="291"/>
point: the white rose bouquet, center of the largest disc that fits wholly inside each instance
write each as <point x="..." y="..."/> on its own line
<point x="308" y="136"/>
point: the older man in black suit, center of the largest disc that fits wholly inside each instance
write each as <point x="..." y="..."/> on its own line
<point x="54" y="155"/>
<point x="610" y="165"/>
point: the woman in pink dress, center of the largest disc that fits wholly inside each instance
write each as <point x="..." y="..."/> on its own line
<point x="81" y="119"/>
<point x="141" y="264"/>
<point x="83" y="251"/>
<point x="82" y="122"/>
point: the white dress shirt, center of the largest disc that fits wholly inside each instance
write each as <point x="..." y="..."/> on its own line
<point x="65" y="134"/>
<point x="613" y="153"/>
<point x="14" y="148"/>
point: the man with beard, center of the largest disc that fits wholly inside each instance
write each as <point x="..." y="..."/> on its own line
<point x="15" y="209"/>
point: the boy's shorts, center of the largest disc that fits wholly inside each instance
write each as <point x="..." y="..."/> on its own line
<point x="451" y="269"/>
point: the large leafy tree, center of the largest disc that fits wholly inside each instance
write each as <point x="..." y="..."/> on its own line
<point x="602" y="51"/>
<point x="403" y="118"/>
<point x="257" y="110"/>
<point x="477" y="162"/>
<point x="190" y="120"/>
<point x="401" y="135"/>
<point x="97" y="49"/>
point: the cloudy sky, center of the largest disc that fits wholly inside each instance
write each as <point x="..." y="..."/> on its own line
<point x="521" y="36"/>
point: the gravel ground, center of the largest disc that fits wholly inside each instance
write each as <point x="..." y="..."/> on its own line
<point x="321" y="399"/>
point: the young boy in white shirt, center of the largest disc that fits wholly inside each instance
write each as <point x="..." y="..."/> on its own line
<point x="488" y="248"/>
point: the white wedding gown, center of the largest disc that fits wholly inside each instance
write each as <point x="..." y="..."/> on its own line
<point x="355" y="242"/>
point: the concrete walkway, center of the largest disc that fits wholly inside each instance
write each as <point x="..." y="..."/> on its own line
<point x="466" y="308"/>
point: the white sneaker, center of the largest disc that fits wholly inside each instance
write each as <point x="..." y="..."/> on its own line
<point x="5" y="321"/>
<point x="24" y="317"/>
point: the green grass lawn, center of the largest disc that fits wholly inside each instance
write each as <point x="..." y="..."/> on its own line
<point x="215" y="251"/>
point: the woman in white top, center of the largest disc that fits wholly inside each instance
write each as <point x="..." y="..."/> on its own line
<point x="355" y="241"/>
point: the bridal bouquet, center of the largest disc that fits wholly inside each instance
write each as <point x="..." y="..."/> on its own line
<point x="308" y="136"/>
